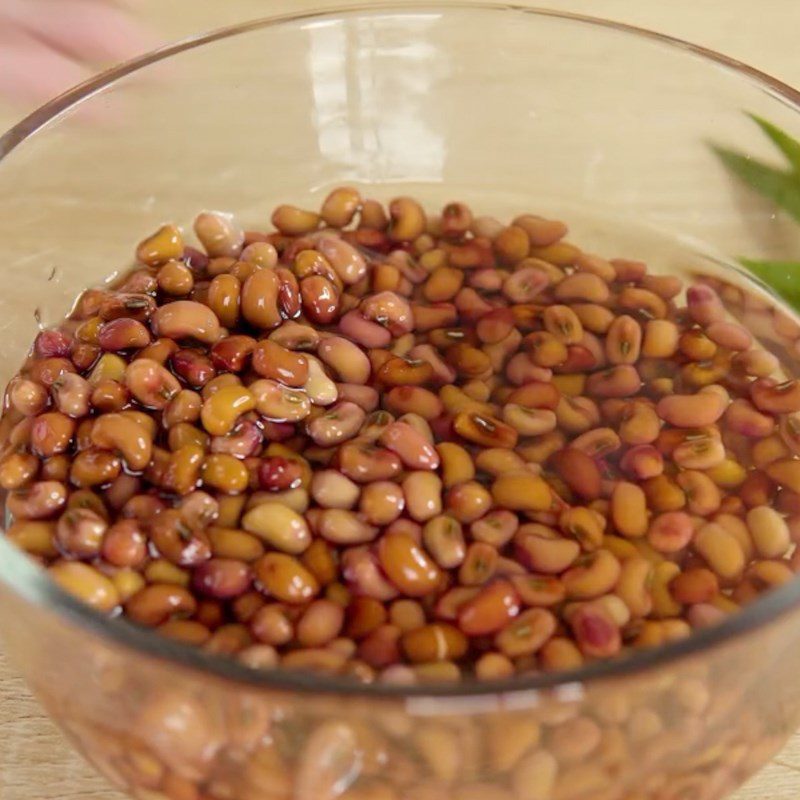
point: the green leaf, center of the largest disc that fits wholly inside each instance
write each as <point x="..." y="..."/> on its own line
<point x="782" y="276"/>
<point x="786" y="144"/>
<point x="780" y="186"/>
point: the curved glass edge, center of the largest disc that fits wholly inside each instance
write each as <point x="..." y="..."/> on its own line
<point x="28" y="581"/>
<point x="83" y="91"/>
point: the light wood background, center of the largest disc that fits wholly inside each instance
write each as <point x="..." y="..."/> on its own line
<point x="35" y="761"/>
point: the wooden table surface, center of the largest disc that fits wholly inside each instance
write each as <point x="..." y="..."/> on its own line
<point x="35" y="761"/>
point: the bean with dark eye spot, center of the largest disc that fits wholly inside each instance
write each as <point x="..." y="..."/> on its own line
<point x="177" y="542"/>
<point x="242" y="441"/>
<point x="389" y="310"/>
<point x="150" y="383"/>
<point x="337" y="424"/>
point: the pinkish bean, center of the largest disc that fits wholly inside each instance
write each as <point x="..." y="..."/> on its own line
<point x="389" y="310"/>
<point x="757" y="362"/>
<point x="619" y="381"/>
<point x="338" y="424"/>
<point x="701" y="452"/>
<point x="597" y="443"/>
<point x="151" y="383"/>
<point x="642" y="462"/>
<point x="442" y="371"/>
<point x="742" y="417"/>
<point x="186" y="319"/>
<point x="704" y="305"/>
<point x="520" y="370"/>
<point x="364" y="396"/>
<point x="415" y="451"/>
<point x="348" y="262"/>
<point x="347" y="360"/>
<point x="243" y="441"/>
<point x="363" y="331"/>
<point x="363" y="573"/>
<point x="691" y="410"/>
<point x="71" y="393"/>
<point x="729" y="335"/>
<point x="775" y="398"/>
<point x="524" y="285"/>
<point x="670" y="532"/>
<point x="624" y="340"/>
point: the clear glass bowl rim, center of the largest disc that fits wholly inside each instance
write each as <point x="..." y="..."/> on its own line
<point x="28" y="581"/>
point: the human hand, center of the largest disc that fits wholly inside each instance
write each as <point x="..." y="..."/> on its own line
<point x="46" y="46"/>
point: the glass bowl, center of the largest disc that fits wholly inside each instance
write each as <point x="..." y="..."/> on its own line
<point x="507" y="109"/>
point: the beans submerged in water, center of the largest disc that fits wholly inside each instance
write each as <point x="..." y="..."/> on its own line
<point x="404" y="447"/>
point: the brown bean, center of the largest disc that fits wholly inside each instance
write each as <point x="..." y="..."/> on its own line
<point x="769" y="531"/>
<point x="321" y="390"/>
<point x="579" y="471"/>
<point x="94" y="468"/>
<point x="86" y="583"/>
<point x="294" y="221"/>
<point x="382" y="502"/>
<point x="222" y="578"/>
<point x="279" y="526"/>
<point x="51" y="433"/>
<point x="340" y="206"/>
<point x="414" y="450"/>
<point x="345" y="358"/>
<point x="27" y="396"/>
<point x="283" y="577"/>
<point x="521" y="491"/>
<point x="620" y="381"/>
<point x="18" y="470"/>
<point x="407" y="565"/>
<point x="742" y="417"/>
<point x="546" y="554"/>
<point x="365" y="463"/>
<point x="279" y="403"/>
<point x="623" y="341"/>
<point x="124" y="544"/>
<point x="79" y="533"/>
<point x="259" y="299"/>
<point x="150" y="383"/>
<point x="39" y="500"/>
<point x="186" y="319"/>
<point x="337" y="424"/>
<point x="219" y="234"/>
<point x="407" y="219"/>
<point x="176" y="541"/>
<point x="331" y="489"/>
<point x="491" y="610"/>
<point x="629" y="509"/>
<point x="444" y="539"/>
<point x="342" y="527"/>
<point x="156" y="603"/>
<point x="423" y="493"/>
<point x="691" y="411"/>
<point x="345" y="259"/>
<point x="224" y="298"/>
<point x="721" y="550"/>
